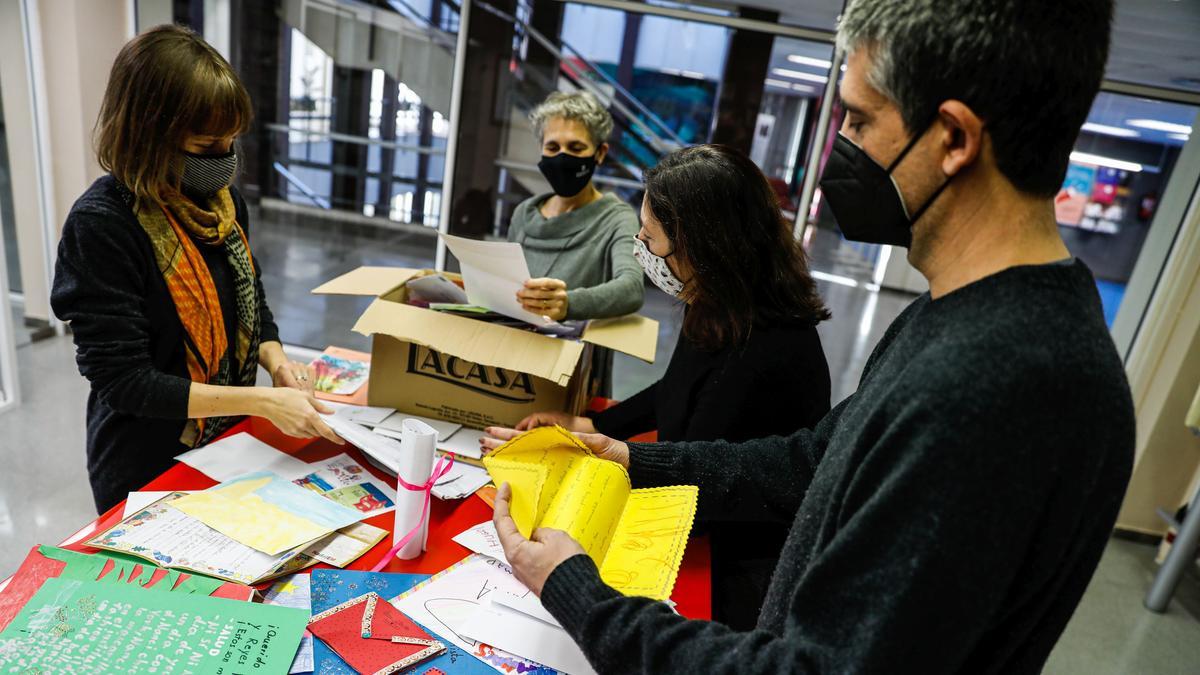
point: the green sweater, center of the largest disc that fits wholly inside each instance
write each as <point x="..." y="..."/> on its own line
<point x="590" y="248"/>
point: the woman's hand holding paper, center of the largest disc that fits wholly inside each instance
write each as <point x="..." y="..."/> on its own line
<point x="545" y="297"/>
<point x="533" y="559"/>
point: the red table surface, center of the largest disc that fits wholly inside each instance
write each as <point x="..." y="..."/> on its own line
<point x="692" y="593"/>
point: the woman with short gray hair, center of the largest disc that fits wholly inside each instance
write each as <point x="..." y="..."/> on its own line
<point x="578" y="242"/>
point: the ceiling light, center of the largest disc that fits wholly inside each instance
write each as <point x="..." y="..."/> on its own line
<point x="778" y="83"/>
<point x="799" y="75"/>
<point x="809" y="61"/>
<point x="1098" y="160"/>
<point x="1110" y="130"/>
<point x="1158" y="125"/>
<point x="1179" y="137"/>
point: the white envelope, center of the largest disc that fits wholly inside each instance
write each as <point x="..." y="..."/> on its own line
<point x="523" y="635"/>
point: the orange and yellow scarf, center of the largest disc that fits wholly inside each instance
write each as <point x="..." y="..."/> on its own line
<point x="175" y="229"/>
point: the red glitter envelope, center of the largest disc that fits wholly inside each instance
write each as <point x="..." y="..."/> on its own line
<point x="372" y="636"/>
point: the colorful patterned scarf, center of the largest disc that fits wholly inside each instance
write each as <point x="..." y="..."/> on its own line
<point x="174" y="231"/>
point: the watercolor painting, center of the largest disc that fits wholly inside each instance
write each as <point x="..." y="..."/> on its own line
<point x="338" y="376"/>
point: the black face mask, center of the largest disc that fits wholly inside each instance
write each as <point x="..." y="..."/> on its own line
<point x="865" y="199"/>
<point x="567" y="174"/>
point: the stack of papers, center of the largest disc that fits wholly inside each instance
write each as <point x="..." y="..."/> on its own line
<point x="266" y="512"/>
<point x="171" y="538"/>
<point x="382" y="446"/>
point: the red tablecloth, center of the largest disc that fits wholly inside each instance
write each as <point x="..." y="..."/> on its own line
<point x="447" y="518"/>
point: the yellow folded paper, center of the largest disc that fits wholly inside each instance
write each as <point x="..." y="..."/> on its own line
<point x="636" y="537"/>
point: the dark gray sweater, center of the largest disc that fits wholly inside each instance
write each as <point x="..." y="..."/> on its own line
<point x="945" y="518"/>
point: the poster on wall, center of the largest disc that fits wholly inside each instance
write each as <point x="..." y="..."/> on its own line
<point x="1092" y="198"/>
<point x="1073" y="197"/>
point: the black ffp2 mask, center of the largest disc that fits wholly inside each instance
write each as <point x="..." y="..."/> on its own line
<point x="567" y="173"/>
<point x="865" y="198"/>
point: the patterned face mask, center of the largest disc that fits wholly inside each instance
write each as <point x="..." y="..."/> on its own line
<point x="657" y="269"/>
<point x="206" y="174"/>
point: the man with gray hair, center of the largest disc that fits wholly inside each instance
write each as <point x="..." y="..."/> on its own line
<point x="947" y="516"/>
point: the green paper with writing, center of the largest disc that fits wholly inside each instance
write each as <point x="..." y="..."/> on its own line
<point x="93" y="627"/>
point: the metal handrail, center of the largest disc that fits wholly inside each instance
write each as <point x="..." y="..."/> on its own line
<point x="411" y="11"/>
<point x="549" y="46"/>
<point x="358" y="140"/>
<point x="299" y="185"/>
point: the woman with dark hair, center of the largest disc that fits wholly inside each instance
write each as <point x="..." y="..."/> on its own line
<point x="748" y="362"/>
<point x="156" y="276"/>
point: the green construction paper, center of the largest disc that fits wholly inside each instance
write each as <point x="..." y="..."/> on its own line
<point x="96" y="627"/>
<point x="88" y="566"/>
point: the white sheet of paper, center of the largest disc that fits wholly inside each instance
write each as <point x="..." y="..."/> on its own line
<point x="464" y="442"/>
<point x="482" y="539"/>
<point x="444" y="603"/>
<point x="136" y="501"/>
<point x="462" y="480"/>
<point x="493" y="272"/>
<point x="499" y="626"/>
<point x="241" y="454"/>
<point x="362" y="414"/>
<point x="435" y="288"/>
<point x="390" y="427"/>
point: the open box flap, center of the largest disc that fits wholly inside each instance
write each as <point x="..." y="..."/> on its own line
<point x="370" y="281"/>
<point x="478" y="341"/>
<point x="634" y="335"/>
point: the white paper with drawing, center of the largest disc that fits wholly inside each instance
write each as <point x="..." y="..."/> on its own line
<point x="493" y="272"/>
<point x="446" y="601"/>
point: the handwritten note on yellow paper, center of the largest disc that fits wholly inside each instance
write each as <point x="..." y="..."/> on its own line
<point x="636" y="537"/>
<point x="266" y="512"/>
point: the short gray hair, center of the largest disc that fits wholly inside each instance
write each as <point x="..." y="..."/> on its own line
<point x="1002" y="58"/>
<point x="581" y="106"/>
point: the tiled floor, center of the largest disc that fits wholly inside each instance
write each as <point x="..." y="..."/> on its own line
<point x="44" y="494"/>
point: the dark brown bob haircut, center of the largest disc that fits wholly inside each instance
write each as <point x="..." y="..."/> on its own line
<point x="166" y="84"/>
<point x="724" y="221"/>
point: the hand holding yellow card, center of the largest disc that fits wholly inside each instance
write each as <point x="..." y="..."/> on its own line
<point x="636" y="537"/>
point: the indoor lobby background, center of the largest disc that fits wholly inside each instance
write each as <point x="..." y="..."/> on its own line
<point x="381" y="123"/>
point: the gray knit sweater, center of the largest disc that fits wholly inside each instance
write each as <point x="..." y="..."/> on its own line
<point x="590" y="248"/>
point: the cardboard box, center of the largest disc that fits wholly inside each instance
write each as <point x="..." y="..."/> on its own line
<point x="473" y="372"/>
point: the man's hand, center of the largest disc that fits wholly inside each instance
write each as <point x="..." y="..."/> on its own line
<point x="532" y="560"/>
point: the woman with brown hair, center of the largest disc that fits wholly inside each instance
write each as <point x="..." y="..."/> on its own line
<point x="155" y="272"/>
<point x="748" y="362"/>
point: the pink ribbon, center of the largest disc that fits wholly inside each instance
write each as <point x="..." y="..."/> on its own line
<point x="439" y="470"/>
